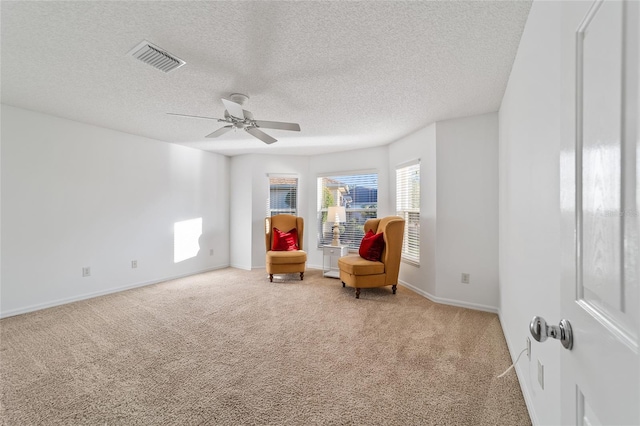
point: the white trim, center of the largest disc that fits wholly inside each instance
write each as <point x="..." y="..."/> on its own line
<point x="292" y="176"/>
<point x="451" y="302"/>
<point x="86" y="296"/>
<point x="528" y="399"/>
<point x="348" y="173"/>
<point x="404" y="198"/>
<point x="408" y="163"/>
<point x="243" y="267"/>
<point x="282" y="175"/>
<point x="351" y="180"/>
<point x="410" y="262"/>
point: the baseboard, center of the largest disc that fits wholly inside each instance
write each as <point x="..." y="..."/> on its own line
<point x="528" y="400"/>
<point x="452" y="302"/>
<point x="243" y="267"/>
<point x="32" y="308"/>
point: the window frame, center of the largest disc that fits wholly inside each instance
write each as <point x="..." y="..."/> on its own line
<point x="358" y="213"/>
<point x="405" y="197"/>
<point x="275" y="176"/>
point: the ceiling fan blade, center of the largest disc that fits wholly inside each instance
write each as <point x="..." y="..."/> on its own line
<point x="194" y="116"/>
<point x="260" y="135"/>
<point x="278" y="125"/>
<point x="234" y="109"/>
<point x="220" y="131"/>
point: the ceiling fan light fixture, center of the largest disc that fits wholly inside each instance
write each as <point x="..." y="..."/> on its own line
<point x="239" y="118"/>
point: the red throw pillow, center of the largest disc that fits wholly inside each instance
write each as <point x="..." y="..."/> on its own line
<point x="285" y="241"/>
<point x="371" y="246"/>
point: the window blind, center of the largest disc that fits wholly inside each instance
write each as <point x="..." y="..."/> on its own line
<point x="283" y="196"/>
<point x="358" y="193"/>
<point x="408" y="207"/>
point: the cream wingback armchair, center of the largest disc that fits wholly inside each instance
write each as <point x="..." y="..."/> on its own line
<point x="287" y="232"/>
<point x="358" y="272"/>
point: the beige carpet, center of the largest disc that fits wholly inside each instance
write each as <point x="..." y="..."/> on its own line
<point x="229" y="348"/>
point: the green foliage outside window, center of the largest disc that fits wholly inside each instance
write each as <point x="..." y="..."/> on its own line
<point x="327" y="201"/>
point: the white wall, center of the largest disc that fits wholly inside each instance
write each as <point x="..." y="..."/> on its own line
<point x="530" y="129"/>
<point x="458" y="212"/>
<point x="96" y="178"/>
<point x="462" y="188"/>
<point x="240" y="203"/>
<point x="95" y="197"/>
<point x="467" y="210"/>
<point x="422" y="145"/>
<point x="276" y="164"/>
<point x="250" y="193"/>
<point x="76" y="195"/>
<point x="250" y="202"/>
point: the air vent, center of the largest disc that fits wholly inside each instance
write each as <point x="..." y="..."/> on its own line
<point x="156" y="57"/>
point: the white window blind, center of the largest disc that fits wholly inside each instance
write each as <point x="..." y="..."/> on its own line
<point x="283" y="195"/>
<point x="408" y="206"/>
<point x="358" y="193"/>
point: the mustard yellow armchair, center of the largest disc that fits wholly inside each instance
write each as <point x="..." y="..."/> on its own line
<point x="287" y="232"/>
<point x="358" y="272"/>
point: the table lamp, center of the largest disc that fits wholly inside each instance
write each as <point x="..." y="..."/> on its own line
<point x="336" y="214"/>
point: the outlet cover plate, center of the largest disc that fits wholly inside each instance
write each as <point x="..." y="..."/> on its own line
<point x="541" y="374"/>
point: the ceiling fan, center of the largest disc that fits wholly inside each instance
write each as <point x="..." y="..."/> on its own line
<point x="238" y="118"/>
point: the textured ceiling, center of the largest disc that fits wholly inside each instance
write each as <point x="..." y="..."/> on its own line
<point x="353" y="74"/>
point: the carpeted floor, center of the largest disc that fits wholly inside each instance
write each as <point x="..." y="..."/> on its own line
<point x="229" y="348"/>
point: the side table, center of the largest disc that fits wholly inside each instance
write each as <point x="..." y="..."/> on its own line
<point x="330" y="256"/>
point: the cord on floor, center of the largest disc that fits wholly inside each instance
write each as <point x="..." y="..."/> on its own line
<point x="514" y="363"/>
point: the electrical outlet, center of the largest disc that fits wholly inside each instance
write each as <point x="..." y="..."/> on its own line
<point x="465" y="279"/>
<point x="529" y="348"/>
<point x="210" y="252"/>
<point x="86" y="271"/>
<point x="541" y="374"/>
<point x="134" y="264"/>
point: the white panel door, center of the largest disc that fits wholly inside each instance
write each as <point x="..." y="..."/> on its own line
<point x="599" y="202"/>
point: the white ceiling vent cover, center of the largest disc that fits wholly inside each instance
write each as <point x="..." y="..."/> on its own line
<point x="156" y="57"/>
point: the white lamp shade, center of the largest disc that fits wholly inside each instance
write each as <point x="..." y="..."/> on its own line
<point x="336" y="214"/>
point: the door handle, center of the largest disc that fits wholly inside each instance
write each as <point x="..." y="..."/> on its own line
<point x="540" y="331"/>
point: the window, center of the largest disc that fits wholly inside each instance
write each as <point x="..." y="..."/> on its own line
<point x="358" y="193"/>
<point x="283" y="195"/>
<point x="408" y="206"/>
